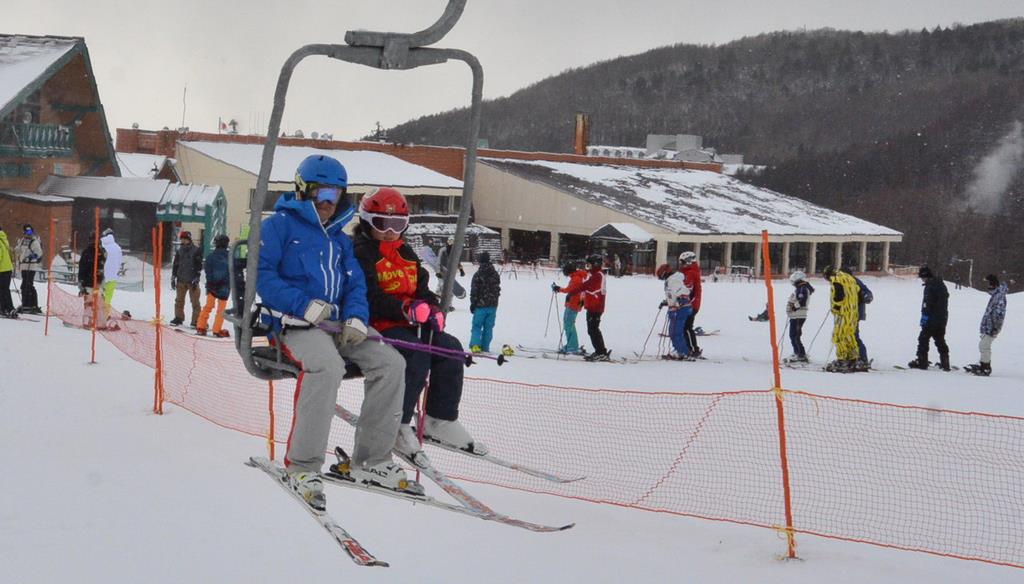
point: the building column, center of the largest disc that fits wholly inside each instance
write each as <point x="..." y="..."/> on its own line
<point x="863" y="263"/>
<point x="812" y="263"/>
<point x="506" y="239"/>
<point x="785" y="258"/>
<point x="553" y="250"/>
<point x="728" y="257"/>
<point x="885" y="257"/>
<point x="696" y="250"/>
<point x="661" y="252"/>
<point x="837" y="257"/>
<point x="757" y="259"/>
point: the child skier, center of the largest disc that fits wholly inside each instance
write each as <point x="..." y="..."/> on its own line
<point x="484" y="291"/>
<point x="573" y="306"/>
<point x="677" y="299"/>
<point x="796" y="310"/>
<point x="402" y="307"/>
<point x="690" y="268"/>
<point x="991" y="324"/>
<point x="217" y="287"/>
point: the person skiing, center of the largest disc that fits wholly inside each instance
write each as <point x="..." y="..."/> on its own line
<point x="592" y="289"/>
<point x="677" y="299"/>
<point x="91" y="260"/>
<point x="185" y="272"/>
<point x="864" y="297"/>
<point x="442" y="264"/>
<point x="111" y="267"/>
<point x="484" y="291"/>
<point x="30" y="261"/>
<point x="844" y="311"/>
<point x="402" y="307"/>
<point x="308" y="275"/>
<point x="796" y="311"/>
<point x="991" y="325"/>
<point x="573" y="306"/>
<point x="218" y="288"/>
<point x="690" y="268"/>
<point x="6" y="271"/>
<point x="934" y="314"/>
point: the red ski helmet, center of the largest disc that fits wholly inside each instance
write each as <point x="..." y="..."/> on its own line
<point x="663" y="271"/>
<point x="385" y="209"/>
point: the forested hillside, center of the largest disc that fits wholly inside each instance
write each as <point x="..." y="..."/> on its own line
<point x="921" y="131"/>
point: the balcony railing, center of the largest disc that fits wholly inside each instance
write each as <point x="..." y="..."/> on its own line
<point x="36" y="140"/>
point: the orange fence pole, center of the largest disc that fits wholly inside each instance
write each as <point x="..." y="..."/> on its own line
<point x="95" y="288"/>
<point x="158" y="380"/>
<point x="779" y="409"/>
<point x="49" y="274"/>
<point x="270" y="431"/>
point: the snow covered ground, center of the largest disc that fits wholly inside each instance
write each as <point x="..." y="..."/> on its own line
<point x="102" y="490"/>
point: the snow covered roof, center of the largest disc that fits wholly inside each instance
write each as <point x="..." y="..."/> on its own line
<point x="145" y="190"/>
<point x="24" y="59"/>
<point x="37" y="197"/>
<point x="622" y="231"/>
<point x="447" y="229"/>
<point x="137" y="164"/>
<point x="364" y="167"/>
<point x="188" y="195"/>
<point x="691" y="202"/>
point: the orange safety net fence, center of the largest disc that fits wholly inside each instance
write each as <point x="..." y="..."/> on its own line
<point x="937" y="481"/>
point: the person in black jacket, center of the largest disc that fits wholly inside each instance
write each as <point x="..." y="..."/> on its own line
<point x="934" y="314"/>
<point x="185" y="272"/>
<point x="483" y="303"/>
<point x="217" y="287"/>
<point x="402" y="307"/>
<point x="88" y="263"/>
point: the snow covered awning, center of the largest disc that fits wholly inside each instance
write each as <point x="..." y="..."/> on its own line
<point x="144" y="190"/>
<point x="622" y="233"/>
<point x="447" y="229"/>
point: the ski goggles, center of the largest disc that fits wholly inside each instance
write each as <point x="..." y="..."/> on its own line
<point x="327" y="194"/>
<point x="380" y="222"/>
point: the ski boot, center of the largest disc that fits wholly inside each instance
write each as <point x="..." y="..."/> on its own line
<point x="593" y="357"/>
<point x="309" y="486"/>
<point x="475" y="349"/>
<point x="221" y="334"/>
<point x="862" y="366"/>
<point x="385" y="475"/>
<point x="175" y="322"/>
<point x="452" y="433"/>
<point x="200" y="332"/>
<point x="944" y="362"/>
<point x="840" y="366"/>
<point x="507" y="351"/>
<point x="407" y="445"/>
<point x="918" y="363"/>
<point x="981" y="369"/>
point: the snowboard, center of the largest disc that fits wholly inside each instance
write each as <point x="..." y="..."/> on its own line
<point x="428" y="257"/>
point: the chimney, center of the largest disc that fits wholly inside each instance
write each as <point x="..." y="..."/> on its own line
<point x="582" y="137"/>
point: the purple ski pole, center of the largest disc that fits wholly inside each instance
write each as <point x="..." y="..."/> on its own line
<point x="423" y="347"/>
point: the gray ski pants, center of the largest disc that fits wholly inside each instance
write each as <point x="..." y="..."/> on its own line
<point x="323" y="366"/>
<point x="985" y="348"/>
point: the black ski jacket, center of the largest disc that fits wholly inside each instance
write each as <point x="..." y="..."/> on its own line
<point x="485" y="288"/>
<point x="935" y="302"/>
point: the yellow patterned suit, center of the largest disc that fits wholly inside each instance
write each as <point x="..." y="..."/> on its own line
<point x="844" y="310"/>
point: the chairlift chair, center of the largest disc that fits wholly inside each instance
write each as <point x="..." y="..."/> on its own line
<point x="381" y="50"/>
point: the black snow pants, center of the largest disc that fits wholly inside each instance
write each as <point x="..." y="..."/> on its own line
<point x="938" y="333"/>
<point x="445" y="391"/>
<point x="594" y="331"/>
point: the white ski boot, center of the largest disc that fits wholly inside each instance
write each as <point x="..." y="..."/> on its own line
<point x="387" y="475"/>
<point x="452" y="433"/>
<point x="309" y="486"/>
<point x="408" y="444"/>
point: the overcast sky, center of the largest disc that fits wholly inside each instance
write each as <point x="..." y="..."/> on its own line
<point x="229" y="52"/>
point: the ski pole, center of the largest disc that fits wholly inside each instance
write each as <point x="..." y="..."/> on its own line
<point x="335" y="328"/>
<point x="783" y="335"/>
<point x="811" y="346"/>
<point x="547" y="323"/>
<point x="657" y="317"/>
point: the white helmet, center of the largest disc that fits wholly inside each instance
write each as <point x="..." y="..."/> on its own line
<point x="687" y="257"/>
<point x="797" y="276"/>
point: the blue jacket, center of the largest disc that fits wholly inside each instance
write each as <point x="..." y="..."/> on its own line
<point x="216" y="267"/>
<point x="301" y="260"/>
<point x="995" y="312"/>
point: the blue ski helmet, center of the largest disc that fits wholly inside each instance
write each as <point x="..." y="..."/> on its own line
<point x="321" y="170"/>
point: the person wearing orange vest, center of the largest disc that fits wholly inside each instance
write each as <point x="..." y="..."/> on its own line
<point x="573" y="307"/>
<point x="403" y="307"/>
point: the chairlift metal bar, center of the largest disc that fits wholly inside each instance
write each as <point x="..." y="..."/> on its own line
<point x="381" y="51"/>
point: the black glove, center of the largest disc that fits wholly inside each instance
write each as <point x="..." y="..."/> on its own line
<point x="555" y="287"/>
<point x="462" y="273"/>
<point x="174" y="283"/>
<point x="663" y="304"/>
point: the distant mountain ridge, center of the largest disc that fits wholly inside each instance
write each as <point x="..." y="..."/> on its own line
<point x="892" y="127"/>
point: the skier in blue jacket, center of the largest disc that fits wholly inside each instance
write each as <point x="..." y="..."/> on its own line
<point x="308" y="275"/>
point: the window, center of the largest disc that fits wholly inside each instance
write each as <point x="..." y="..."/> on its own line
<point x="429" y="205"/>
<point x="269" y="201"/>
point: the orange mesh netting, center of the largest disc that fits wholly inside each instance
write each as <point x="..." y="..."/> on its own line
<point x="913" y="478"/>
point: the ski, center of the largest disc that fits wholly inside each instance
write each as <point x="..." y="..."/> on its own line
<point x="505" y="463"/>
<point x="349" y="544"/>
<point x="905" y="368"/>
<point x="21" y="318"/>
<point x="470" y="504"/>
